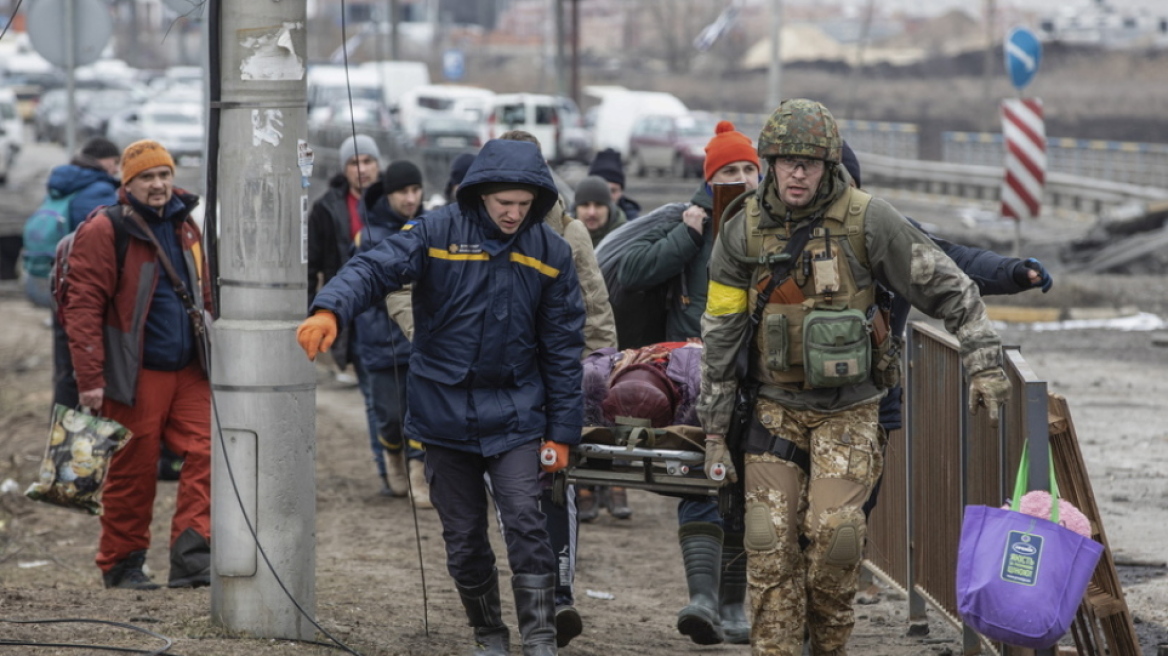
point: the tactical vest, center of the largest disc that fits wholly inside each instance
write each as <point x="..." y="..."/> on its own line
<point x="823" y="298"/>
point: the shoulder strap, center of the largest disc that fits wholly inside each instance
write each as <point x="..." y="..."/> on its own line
<point x="193" y="310"/>
<point x="782" y="267"/>
<point x="117" y="219"/>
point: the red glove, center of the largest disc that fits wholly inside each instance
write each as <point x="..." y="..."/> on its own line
<point x="317" y="333"/>
<point x="553" y="456"/>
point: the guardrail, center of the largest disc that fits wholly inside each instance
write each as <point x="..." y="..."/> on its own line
<point x="1119" y="161"/>
<point x="985" y="182"/>
<point x="945" y="459"/>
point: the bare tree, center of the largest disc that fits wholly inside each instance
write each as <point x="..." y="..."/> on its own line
<point x="668" y="28"/>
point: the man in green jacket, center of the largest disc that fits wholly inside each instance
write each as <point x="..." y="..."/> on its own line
<point x="814" y="449"/>
<point x="675" y="252"/>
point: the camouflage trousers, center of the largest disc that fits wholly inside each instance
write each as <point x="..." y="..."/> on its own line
<point x="805" y="533"/>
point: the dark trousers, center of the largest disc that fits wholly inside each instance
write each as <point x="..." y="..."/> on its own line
<point x="563" y="526"/>
<point x="64" y="384"/>
<point x="387" y="387"/>
<point x="460" y="497"/>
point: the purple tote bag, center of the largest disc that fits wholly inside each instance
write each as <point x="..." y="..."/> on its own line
<point x="1021" y="578"/>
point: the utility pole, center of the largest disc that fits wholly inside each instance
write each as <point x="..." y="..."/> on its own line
<point x="575" y="81"/>
<point x="561" y="56"/>
<point x="394" y="33"/>
<point x="264" y="389"/>
<point x="775" y="70"/>
<point x="988" y="56"/>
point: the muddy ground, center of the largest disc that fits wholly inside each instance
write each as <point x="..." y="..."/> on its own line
<point x="368" y="583"/>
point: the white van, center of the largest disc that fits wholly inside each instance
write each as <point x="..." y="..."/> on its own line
<point x="460" y="101"/>
<point x="554" y="120"/>
<point x="398" y="77"/>
<point x="619" y="109"/>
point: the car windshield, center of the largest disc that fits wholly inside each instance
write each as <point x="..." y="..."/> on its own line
<point x="693" y="126"/>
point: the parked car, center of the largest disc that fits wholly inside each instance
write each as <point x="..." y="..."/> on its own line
<point x="177" y="126"/>
<point x="100" y="105"/>
<point x="455" y="100"/>
<point x="554" y="120"/>
<point x="673" y="145"/>
<point x="448" y="133"/>
<point x="619" y="109"/>
<point x="11" y="131"/>
<point x="51" y="116"/>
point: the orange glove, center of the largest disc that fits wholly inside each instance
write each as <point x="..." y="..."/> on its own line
<point x="317" y="333"/>
<point x="553" y="456"/>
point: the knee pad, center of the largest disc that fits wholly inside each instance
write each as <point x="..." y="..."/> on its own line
<point x="845" y="539"/>
<point x="760" y="530"/>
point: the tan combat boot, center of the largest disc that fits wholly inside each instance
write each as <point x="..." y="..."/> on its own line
<point x="418" y="484"/>
<point x="395" y="472"/>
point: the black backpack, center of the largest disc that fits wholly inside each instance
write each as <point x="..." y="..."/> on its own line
<point x="59" y="272"/>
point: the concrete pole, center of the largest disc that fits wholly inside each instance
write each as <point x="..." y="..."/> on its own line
<point x="775" y="70"/>
<point x="561" y="56"/>
<point x="70" y="78"/>
<point x="263" y="430"/>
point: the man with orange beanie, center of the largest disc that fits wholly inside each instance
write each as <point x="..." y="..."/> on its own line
<point x="675" y="252"/>
<point x="138" y="355"/>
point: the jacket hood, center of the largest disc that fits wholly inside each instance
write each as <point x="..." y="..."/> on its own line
<point x="71" y="178"/>
<point x="509" y="161"/>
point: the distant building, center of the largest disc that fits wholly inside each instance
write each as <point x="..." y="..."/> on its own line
<point x="1101" y="23"/>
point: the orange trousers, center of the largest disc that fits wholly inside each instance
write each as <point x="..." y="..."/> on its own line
<point x="171" y="408"/>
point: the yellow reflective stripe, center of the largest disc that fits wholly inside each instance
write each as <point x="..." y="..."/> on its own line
<point x="724" y="299"/>
<point x="532" y="262"/>
<point x="197" y="253"/>
<point x="447" y="255"/>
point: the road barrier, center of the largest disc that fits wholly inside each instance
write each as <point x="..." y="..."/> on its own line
<point x="945" y="459"/>
<point x="1062" y="190"/>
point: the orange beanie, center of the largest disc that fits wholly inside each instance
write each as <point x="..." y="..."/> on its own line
<point x="727" y="146"/>
<point x="142" y="155"/>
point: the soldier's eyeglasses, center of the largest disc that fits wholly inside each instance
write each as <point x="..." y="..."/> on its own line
<point x="789" y="164"/>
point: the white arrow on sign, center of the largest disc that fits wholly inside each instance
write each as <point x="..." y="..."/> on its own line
<point x="1021" y="55"/>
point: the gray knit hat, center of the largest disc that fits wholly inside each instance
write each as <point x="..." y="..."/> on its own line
<point x="593" y="189"/>
<point x="361" y="144"/>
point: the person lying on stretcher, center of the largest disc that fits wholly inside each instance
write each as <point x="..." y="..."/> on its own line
<point x="658" y="383"/>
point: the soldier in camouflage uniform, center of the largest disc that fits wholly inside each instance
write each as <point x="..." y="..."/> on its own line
<point x="813" y="450"/>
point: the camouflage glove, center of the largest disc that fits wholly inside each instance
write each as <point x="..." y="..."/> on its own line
<point x="719" y="465"/>
<point x="317" y="333"/>
<point x="989" y="388"/>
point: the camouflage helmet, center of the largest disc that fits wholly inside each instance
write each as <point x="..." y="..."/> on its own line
<point x="800" y="128"/>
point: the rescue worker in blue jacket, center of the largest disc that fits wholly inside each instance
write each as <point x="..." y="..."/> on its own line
<point x="495" y="371"/>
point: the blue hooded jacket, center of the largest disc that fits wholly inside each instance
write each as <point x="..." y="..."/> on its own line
<point x="93" y="186"/>
<point x="379" y="341"/>
<point x="498" y="318"/>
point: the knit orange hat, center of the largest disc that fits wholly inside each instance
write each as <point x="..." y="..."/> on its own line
<point x="142" y="155"/>
<point x="727" y="146"/>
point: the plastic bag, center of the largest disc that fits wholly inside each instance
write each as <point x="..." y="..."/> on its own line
<point x="77" y="459"/>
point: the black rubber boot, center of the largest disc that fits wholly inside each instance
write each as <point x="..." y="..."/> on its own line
<point x="701" y="550"/>
<point x="569" y="624"/>
<point x="128" y="574"/>
<point x="190" y="561"/>
<point x="485" y="612"/>
<point x="732" y="591"/>
<point x="535" y="604"/>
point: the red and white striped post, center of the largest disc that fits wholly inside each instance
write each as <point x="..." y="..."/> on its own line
<point x="1025" y="138"/>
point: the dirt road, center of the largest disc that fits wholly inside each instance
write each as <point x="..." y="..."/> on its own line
<point x="368" y="585"/>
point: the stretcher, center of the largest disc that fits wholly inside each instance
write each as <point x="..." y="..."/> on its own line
<point x="634" y="454"/>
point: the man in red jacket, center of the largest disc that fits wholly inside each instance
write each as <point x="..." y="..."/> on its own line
<point x="137" y="357"/>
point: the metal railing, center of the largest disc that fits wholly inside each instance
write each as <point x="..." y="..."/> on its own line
<point x="985" y="183"/>
<point x="946" y="459"/>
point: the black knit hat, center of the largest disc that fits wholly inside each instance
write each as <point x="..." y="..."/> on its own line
<point x="458" y="168"/>
<point x="852" y="164"/>
<point x="399" y="175"/>
<point x="608" y="166"/>
<point x="100" y="148"/>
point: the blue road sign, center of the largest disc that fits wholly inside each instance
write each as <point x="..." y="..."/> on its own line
<point x="453" y="65"/>
<point x="1023" y="54"/>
